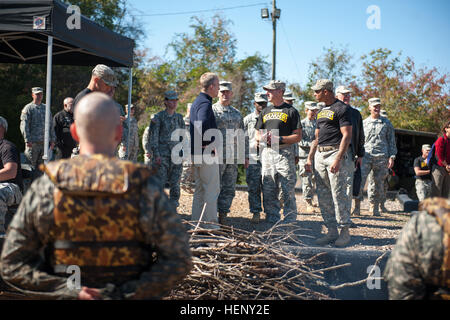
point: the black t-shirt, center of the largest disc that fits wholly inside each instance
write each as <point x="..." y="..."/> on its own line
<point x="80" y="95"/>
<point x="9" y="153"/>
<point x="62" y="122"/>
<point x="330" y="120"/>
<point x="421" y="163"/>
<point x="285" y="118"/>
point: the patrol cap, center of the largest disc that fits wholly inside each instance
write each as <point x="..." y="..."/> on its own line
<point x="343" y="90"/>
<point x="106" y="74"/>
<point x="426" y="147"/>
<point x="225" y="85"/>
<point x="383" y="113"/>
<point x="170" y="95"/>
<point x="288" y="96"/>
<point x="374" y="102"/>
<point x="323" y="84"/>
<point x="260" y="97"/>
<point x="311" y="105"/>
<point x="37" y="90"/>
<point x="274" y="85"/>
<point x="321" y="105"/>
<point x="131" y="106"/>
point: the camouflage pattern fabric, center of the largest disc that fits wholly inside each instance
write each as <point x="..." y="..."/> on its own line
<point x="187" y="181"/>
<point x="146" y="147"/>
<point x="133" y="148"/>
<point x="423" y="189"/>
<point x="418" y="267"/>
<point x="32" y="127"/>
<point x="254" y="187"/>
<point x="249" y="127"/>
<point x="332" y="188"/>
<point x="379" y="137"/>
<point x="378" y="168"/>
<point x="10" y="195"/>
<point x="228" y="118"/>
<point x="34" y="227"/>
<point x="278" y="169"/>
<point x="307" y="178"/>
<point x="161" y="145"/>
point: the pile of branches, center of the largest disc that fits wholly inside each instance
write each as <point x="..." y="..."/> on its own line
<point x="231" y="264"/>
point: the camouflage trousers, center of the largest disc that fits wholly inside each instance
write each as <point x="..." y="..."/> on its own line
<point x="10" y="195"/>
<point x="254" y="186"/>
<point x="383" y="191"/>
<point x="423" y="189"/>
<point x="170" y="173"/>
<point x="228" y="175"/>
<point x="332" y="188"/>
<point x="278" y="172"/>
<point x="307" y="180"/>
<point x="187" y="178"/>
<point x="379" y="168"/>
<point x="35" y="154"/>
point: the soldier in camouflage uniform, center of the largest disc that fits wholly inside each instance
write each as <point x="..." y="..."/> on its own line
<point x="32" y="127"/>
<point x="59" y="224"/>
<point x="133" y="147"/>
<point x="278" y="130"/>
<point x="380" y="152"/>
<point x="419" y="265"/>
<point x="253" y="171"/>
<point x="332" y="164"/>
<point x="423" y="174"/>
<point x="304" y="146"/>
<point x="163" y="125"/>
<point x="187" y="181"/>
<point x="228" y="118"/>
<point x="146" y="138"/>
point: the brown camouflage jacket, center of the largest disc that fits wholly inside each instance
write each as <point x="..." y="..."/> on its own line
<point x="414" y="269"/>
<point x="25" y="266"/>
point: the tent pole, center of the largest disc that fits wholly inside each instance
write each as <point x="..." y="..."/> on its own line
<point x="48" y="94"/>
<point x="130" y="89"/>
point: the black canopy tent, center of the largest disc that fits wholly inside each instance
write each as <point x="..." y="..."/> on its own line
<point x="51" y="32"/>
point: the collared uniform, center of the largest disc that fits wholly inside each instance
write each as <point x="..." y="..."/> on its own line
<point x="379" y="147"/>
<point x="229" y="119"/>
<point x="161" y="144"/>
<point x="32" y="127"/>
<point x="253" y="172"/>
<point x="304" y="146"/>
<point x="278" y="166"/>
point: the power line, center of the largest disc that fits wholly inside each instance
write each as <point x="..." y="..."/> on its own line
<point x="198" y="11"/>
<point x="290" y="49"/>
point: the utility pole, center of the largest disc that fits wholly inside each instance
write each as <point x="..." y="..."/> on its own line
<point x="275" y="14"/>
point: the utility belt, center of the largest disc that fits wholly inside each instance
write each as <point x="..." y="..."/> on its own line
<point x="328" y="148"/>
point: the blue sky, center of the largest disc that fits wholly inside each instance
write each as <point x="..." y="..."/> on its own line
<point x="419" y="29"/>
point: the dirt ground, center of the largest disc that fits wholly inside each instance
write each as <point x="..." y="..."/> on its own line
<point x="371" y="233"/>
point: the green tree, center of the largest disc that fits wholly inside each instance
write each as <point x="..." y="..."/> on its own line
<point x="414" y="98"/>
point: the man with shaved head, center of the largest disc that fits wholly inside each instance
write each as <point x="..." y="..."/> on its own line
<point x="99" y="221"/>
<point x="62" y="122"/>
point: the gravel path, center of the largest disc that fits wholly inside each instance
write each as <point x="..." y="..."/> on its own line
<point x="371" y="233"/>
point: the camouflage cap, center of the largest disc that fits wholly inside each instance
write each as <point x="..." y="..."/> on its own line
<point x="374" y="102"/>
<point x="131" y="106"/>
<point x="225" y="85"/>
<point x="288" y="96"/>
<point x="37" y="90"/>
<point x="323" y="84"/>
<point x="260" y="97"/>
<point x="311" y="105"/>
<point x="106" y="74"/>
<point x="275" y="85"/>
<point x="343" y="90"/>
<point x="426" y="147"/>
<point x="321" y="105"/>
<point x="383" y="113"/>
<point x="170" y="95"/>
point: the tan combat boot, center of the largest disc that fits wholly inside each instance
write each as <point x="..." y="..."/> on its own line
<point x="357" y="208"/>
<point x="330" y="237"/>
<point x="309" y="206"/>
<point x="374" y="210"/>
<point x="344" y="237"/>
